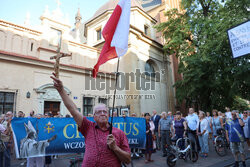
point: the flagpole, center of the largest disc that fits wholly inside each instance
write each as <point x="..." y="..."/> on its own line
<point x="116" y="79"/>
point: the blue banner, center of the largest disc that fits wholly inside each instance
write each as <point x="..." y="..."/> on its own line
<point x="48" y="136"/>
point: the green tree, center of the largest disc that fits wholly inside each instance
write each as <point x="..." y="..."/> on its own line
<point x="197" y="35"/>
<point x="240" y="104"/>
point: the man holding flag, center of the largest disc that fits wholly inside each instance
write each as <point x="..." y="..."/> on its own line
<point x="102" y="148"/>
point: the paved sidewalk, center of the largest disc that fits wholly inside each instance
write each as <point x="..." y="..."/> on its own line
<point x="230" y="162"/>
<point x="213" y="160"/>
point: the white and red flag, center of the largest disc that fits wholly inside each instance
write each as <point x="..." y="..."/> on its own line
<point x="115" y="34"/>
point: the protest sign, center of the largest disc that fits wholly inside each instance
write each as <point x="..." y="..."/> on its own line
<point x="239" y="38"/>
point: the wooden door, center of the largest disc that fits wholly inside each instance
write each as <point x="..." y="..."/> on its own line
<point x="52" y="106"/>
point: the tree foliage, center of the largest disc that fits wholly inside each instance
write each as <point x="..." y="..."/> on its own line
<point x="240" y="104"/>
<point x="197" y="35"/>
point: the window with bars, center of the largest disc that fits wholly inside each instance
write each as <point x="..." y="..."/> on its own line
<point x="99" y="34"/>
<point x="55" y="37"/>
<point x="146" y="30"/>
<point x="6" y="102"/>
<point x="88" y="103"/>
<point x="149" y="69"/>
<point x="103" y="100"/>
<point x="31" y="46"/>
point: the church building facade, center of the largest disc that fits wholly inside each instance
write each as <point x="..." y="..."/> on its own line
<point x="146" y="76"/>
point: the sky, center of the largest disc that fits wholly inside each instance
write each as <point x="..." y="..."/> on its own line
<point x="15" y="11"/>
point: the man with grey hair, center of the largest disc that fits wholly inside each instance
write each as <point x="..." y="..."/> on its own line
<point x="170" y="115"/>
<point x="101" y="148"/>
<point x="235" y="135"/>
<point x="165" y="125"/>
<point x="156" y="118"/>
<point x="192" y="121"/>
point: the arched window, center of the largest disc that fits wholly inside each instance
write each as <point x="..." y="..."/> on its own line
<point x="17" y="44"/>
<point x="149" y="69"/>
<point x="2" y="40"/>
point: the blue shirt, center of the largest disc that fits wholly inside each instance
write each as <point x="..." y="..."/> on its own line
<point x="235" y="131"/>
<point x="249" y="126"/>
<point x="192" y="121"/>
<point x="165" y="124"/>
<point x="171" y="117"/>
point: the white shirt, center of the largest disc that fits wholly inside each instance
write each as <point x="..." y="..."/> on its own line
<point x="192" y="121"/>
<point x="203" y="125"/>
<point x="152" y="126"/>
<point x="154" y="117"/>
<point x="228" y="115"/>
<point x="2" y="128"/>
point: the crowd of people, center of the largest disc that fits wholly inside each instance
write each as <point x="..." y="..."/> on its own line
<point x="199" y="127"/>
<point x="6" y="138"/>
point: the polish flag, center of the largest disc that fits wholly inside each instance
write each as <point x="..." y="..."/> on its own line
<point x="115" y="34"/>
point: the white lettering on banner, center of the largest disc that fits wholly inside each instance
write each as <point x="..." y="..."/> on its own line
<point x="74" y="145"/>
<point x="132" y="141"/>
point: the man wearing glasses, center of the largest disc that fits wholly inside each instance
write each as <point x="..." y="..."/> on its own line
<point x="101" y="148"/>
<point x="235" y="135"/>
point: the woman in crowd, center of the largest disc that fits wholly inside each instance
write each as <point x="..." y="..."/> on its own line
<point x="220" y="114"/>
<point x="180" y="127"/>
<point x="202" y="132"/>
<point x="142" y="115"/>
<point x="2" y="118"/>
<point x="216" y="123"/>
<point x="149" y="138"/>
<point x="223" y="119"/>
<point x="209" y="121"/>
<point x="245" y="128"/>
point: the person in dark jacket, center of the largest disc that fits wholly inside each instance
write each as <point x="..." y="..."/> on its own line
<point x="156" y="118"/>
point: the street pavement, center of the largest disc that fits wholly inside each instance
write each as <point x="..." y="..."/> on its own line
<point x="213" y="160"/>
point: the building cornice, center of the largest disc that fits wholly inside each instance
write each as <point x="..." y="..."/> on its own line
<point x="157" y="6"/>
<point x="85" y="46"/>
<point x="111" y="10"/>
<point x="47" y="49"/>
<point x="142" y="36"/>
<point x="18" y="27"/>
<point x="145" y="14"/>
<point x="43" y="17"/>
<point x="15" y="57"/>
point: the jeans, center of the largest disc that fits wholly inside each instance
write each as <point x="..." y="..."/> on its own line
<point x="194" y="139"/>
<point x="181" y="143"/>
<point x="165" y="139"/>
<point x="203" y="140"/>
<point x="35" y="161"/>
<point x="5" y="156"/>
<point x="158" y="141"/>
